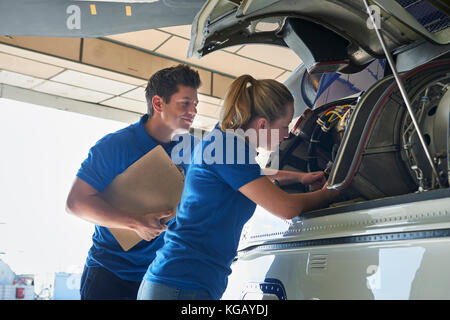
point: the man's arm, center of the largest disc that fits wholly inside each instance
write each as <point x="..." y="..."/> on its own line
<point x="84" y="202"/>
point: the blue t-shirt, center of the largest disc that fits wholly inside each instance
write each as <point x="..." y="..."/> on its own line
<point x="201" y="244"/>
<point x="109" y="157"/>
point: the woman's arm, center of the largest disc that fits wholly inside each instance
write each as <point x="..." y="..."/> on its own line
<point x="282" y="204"/>
<point x="315" y="179"/>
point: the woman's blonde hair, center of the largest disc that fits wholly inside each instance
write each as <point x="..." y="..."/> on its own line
<point x="248" y="98"/>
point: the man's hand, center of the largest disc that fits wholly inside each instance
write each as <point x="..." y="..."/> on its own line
<point x="315" y="179"/>
<point x="150" y="226"/>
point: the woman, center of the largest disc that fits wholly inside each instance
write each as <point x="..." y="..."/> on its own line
<point x="221" y="192"/>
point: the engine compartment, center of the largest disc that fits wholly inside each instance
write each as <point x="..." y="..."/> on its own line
<point x="368" y="146"/>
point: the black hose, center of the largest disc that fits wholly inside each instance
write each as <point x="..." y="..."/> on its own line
<point x="316" y="136"/>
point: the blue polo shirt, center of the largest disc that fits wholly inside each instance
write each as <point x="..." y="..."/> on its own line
<point x="201" y="244"/>
<point x="109" y="157"/>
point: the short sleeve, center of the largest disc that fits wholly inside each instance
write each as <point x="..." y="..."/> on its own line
<point x="102" y="164"/>
<point x="238" y="166"/>
<point x="238" y="175"/>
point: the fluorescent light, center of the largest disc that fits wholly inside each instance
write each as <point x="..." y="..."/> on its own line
<point x="89" y="81"/>
<point x="136" y="94"/>
<point x="65" y="90"/>
<point x="127" y="104"/>
<point x="18" y="80"/>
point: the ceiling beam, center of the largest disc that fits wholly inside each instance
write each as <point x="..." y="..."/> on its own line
<point x="83" y="19"/>
<point x="117" y="57"/>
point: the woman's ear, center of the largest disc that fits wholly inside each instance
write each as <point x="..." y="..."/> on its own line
<point x="157" y="102"/>
<point x="262" y="123"/>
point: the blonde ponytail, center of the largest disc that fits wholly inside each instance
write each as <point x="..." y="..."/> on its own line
<point x="237" y="104"/>
<point x="248" y="98"/>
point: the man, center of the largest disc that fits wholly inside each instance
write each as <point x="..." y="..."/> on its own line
<point x="109" y="272"/>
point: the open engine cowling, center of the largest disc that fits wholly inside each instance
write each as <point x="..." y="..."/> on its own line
<point x="379" y="153"/>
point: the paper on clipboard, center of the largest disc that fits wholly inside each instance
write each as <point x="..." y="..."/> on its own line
<point x="151" y="184"/>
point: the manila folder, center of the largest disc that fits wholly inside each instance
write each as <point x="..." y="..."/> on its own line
<point x="151" y="184"/>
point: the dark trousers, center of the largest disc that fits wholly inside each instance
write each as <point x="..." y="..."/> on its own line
<point x="98" y="283"/>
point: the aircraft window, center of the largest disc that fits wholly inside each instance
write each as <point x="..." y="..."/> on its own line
<point x="335" y="86"/>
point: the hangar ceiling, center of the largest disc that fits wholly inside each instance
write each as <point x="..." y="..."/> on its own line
<point x="112" y="71"/>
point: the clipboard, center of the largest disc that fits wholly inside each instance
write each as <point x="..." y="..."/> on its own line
<point x="153" y="183"/>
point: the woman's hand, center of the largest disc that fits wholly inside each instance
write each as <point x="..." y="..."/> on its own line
<point x="315" y="179"/>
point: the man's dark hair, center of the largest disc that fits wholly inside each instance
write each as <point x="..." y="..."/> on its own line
<point x="164" y="83"/>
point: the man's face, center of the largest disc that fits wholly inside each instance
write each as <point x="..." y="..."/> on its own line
<point x="179" y="112"/>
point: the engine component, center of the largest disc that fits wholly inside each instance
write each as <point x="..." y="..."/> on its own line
<point x="325" y="122"/>
<point x="379" y="149"/>
<point x="433" y="117"/>
<point x="402" y="89"/>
